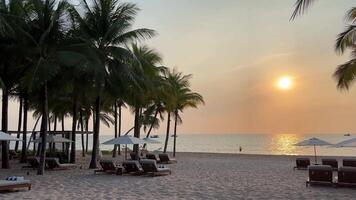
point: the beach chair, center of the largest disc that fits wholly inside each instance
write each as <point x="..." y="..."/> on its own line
<point x="53" y="163"/>
<point x="331" y="162"/>
<point x="33" y="163"/>
<point x="6" y="185"/>
<point x="346" y="176"/>
<point x="152" y="156"/>
<point x="164" y="158"/>
<point x="302" y="163"/>
<point x="320" y="174"/>
<point x="349" y="162"/>
<point x="132" y="167"/>
<point x="108" y="166"/>
<point x="150" y="167"/>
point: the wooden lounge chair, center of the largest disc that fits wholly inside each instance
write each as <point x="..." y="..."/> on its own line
<point x="53" y="163"/>
<point x="150" y="167"/>
<point x="346" y="176"/>
<point x="152" y="156"/>
<point x="331" y="162"/>
<point x="109" y="167"/>
<point x="132" y="167"/>
<point x="320" y="174"/>
<point x="33" y="161"/>
<point x="302" y="163"/>
<point x="6" y="185"/>
<point x="349" y="162"/>
<point x="164" y="158"/>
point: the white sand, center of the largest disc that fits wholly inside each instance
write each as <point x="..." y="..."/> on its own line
<point x="196" y="176"/>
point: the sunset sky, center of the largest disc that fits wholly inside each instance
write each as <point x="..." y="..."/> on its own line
<point x="237" y="50"/>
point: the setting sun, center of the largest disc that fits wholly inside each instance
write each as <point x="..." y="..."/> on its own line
<point x="284" y="83"/>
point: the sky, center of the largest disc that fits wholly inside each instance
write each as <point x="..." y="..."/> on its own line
<point x="236" y="51"/>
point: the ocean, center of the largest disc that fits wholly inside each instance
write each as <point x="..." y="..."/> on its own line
<point x="269" y="144"/>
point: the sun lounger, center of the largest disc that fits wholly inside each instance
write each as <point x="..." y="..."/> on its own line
<point x="164" y="158"/>
<point x="152" y="156"/>
<point x="6" y="185"/>
<point x="331" y="162"/>
<point x="320" y="174"/>
<point x="132" y="167"/>
<point x="349" y="162"/>
<point x="150" y="167"/>
<point x="302" y="163"/>
<point x="53" y="163"/>
<point x="109" y="167"/>
<point x="347" y="176"/>
<point x="34" y="163"/>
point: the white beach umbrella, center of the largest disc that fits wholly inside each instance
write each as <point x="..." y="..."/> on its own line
<point x="313" y="142"/>
<point x="125" y="140"/>
<point x="8" y="137"/>
<point x="151" y="141"/>
<point x="346" y="143"/>
<point x="53" y="139"/>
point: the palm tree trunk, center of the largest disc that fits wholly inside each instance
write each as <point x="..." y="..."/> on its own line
<point x="137" y="130"/>
<point x="33" y="133"/>
<point x="54" y="130"/>
<point x="167" y="133"/>
<point x="120" y="105"/>
<point x="150" y="129"/>
<point x="82" y="129"/>
<point x="175" y="132"/>
<point x="4" y="122"/>
<point x="94" y="153"/>
<point x="63" y="135"/>
<point x="24" y="130"/>
<point x="87" y="135"/>
<point x="44" y="100"/>
<point x="74" y="128"/>
<point x="115" y="127"/>
<point x="19" y="124"/>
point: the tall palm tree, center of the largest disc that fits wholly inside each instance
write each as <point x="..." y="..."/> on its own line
<point x="183" y="98"/>
<point x="106" y="26"/>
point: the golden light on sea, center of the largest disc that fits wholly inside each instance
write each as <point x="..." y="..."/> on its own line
<point x="284" y="83"/>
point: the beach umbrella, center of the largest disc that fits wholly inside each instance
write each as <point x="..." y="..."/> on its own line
<point x="53" y="139"/>
<point x="125" y="140"/>
<point x="151" y="141"/>
<point x="8" y="137"/>
<point x="313" y="142"/>
<point x="346" y="143"/>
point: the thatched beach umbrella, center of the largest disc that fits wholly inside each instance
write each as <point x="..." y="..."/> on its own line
<point x="313" y="142"/>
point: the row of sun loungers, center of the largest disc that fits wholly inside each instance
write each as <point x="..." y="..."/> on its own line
<point x="134" y="167"/>
<point x="6" y="185"/>
<point x="163" y="158"/>
<point x="323" y="175"/>
<point x="304" y="163"/>
<point x="51" y="163"/>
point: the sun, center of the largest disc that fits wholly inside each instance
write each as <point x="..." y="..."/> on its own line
<point x="285" y="83"/>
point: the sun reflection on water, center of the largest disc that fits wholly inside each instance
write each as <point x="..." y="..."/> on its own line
<point x="284" y="144"/>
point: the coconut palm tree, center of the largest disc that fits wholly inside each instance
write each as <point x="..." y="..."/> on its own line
<point x="106" y="26"/>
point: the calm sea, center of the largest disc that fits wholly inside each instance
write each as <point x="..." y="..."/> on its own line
<point x="272" y="144"/>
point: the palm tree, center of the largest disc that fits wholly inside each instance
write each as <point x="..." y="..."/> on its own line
<point x="106" y="27"/>
<point x="183" y="97"/>
<point x="140" y="92"/>
<point x="345" y="73"/>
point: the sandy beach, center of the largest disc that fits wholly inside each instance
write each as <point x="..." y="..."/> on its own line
<point x="196" y="176"/>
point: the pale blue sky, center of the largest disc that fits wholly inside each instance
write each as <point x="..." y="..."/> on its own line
<point x="236" y="49"/>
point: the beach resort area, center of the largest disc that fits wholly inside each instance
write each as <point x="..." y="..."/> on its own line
<point x="180" y="99"/>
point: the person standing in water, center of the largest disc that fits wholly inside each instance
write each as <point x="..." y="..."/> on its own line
<point x="240" y="149"/>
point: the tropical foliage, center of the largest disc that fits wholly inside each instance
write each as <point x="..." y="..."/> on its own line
<point x="345" y="73"/>
<point x="84" y="62"/>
